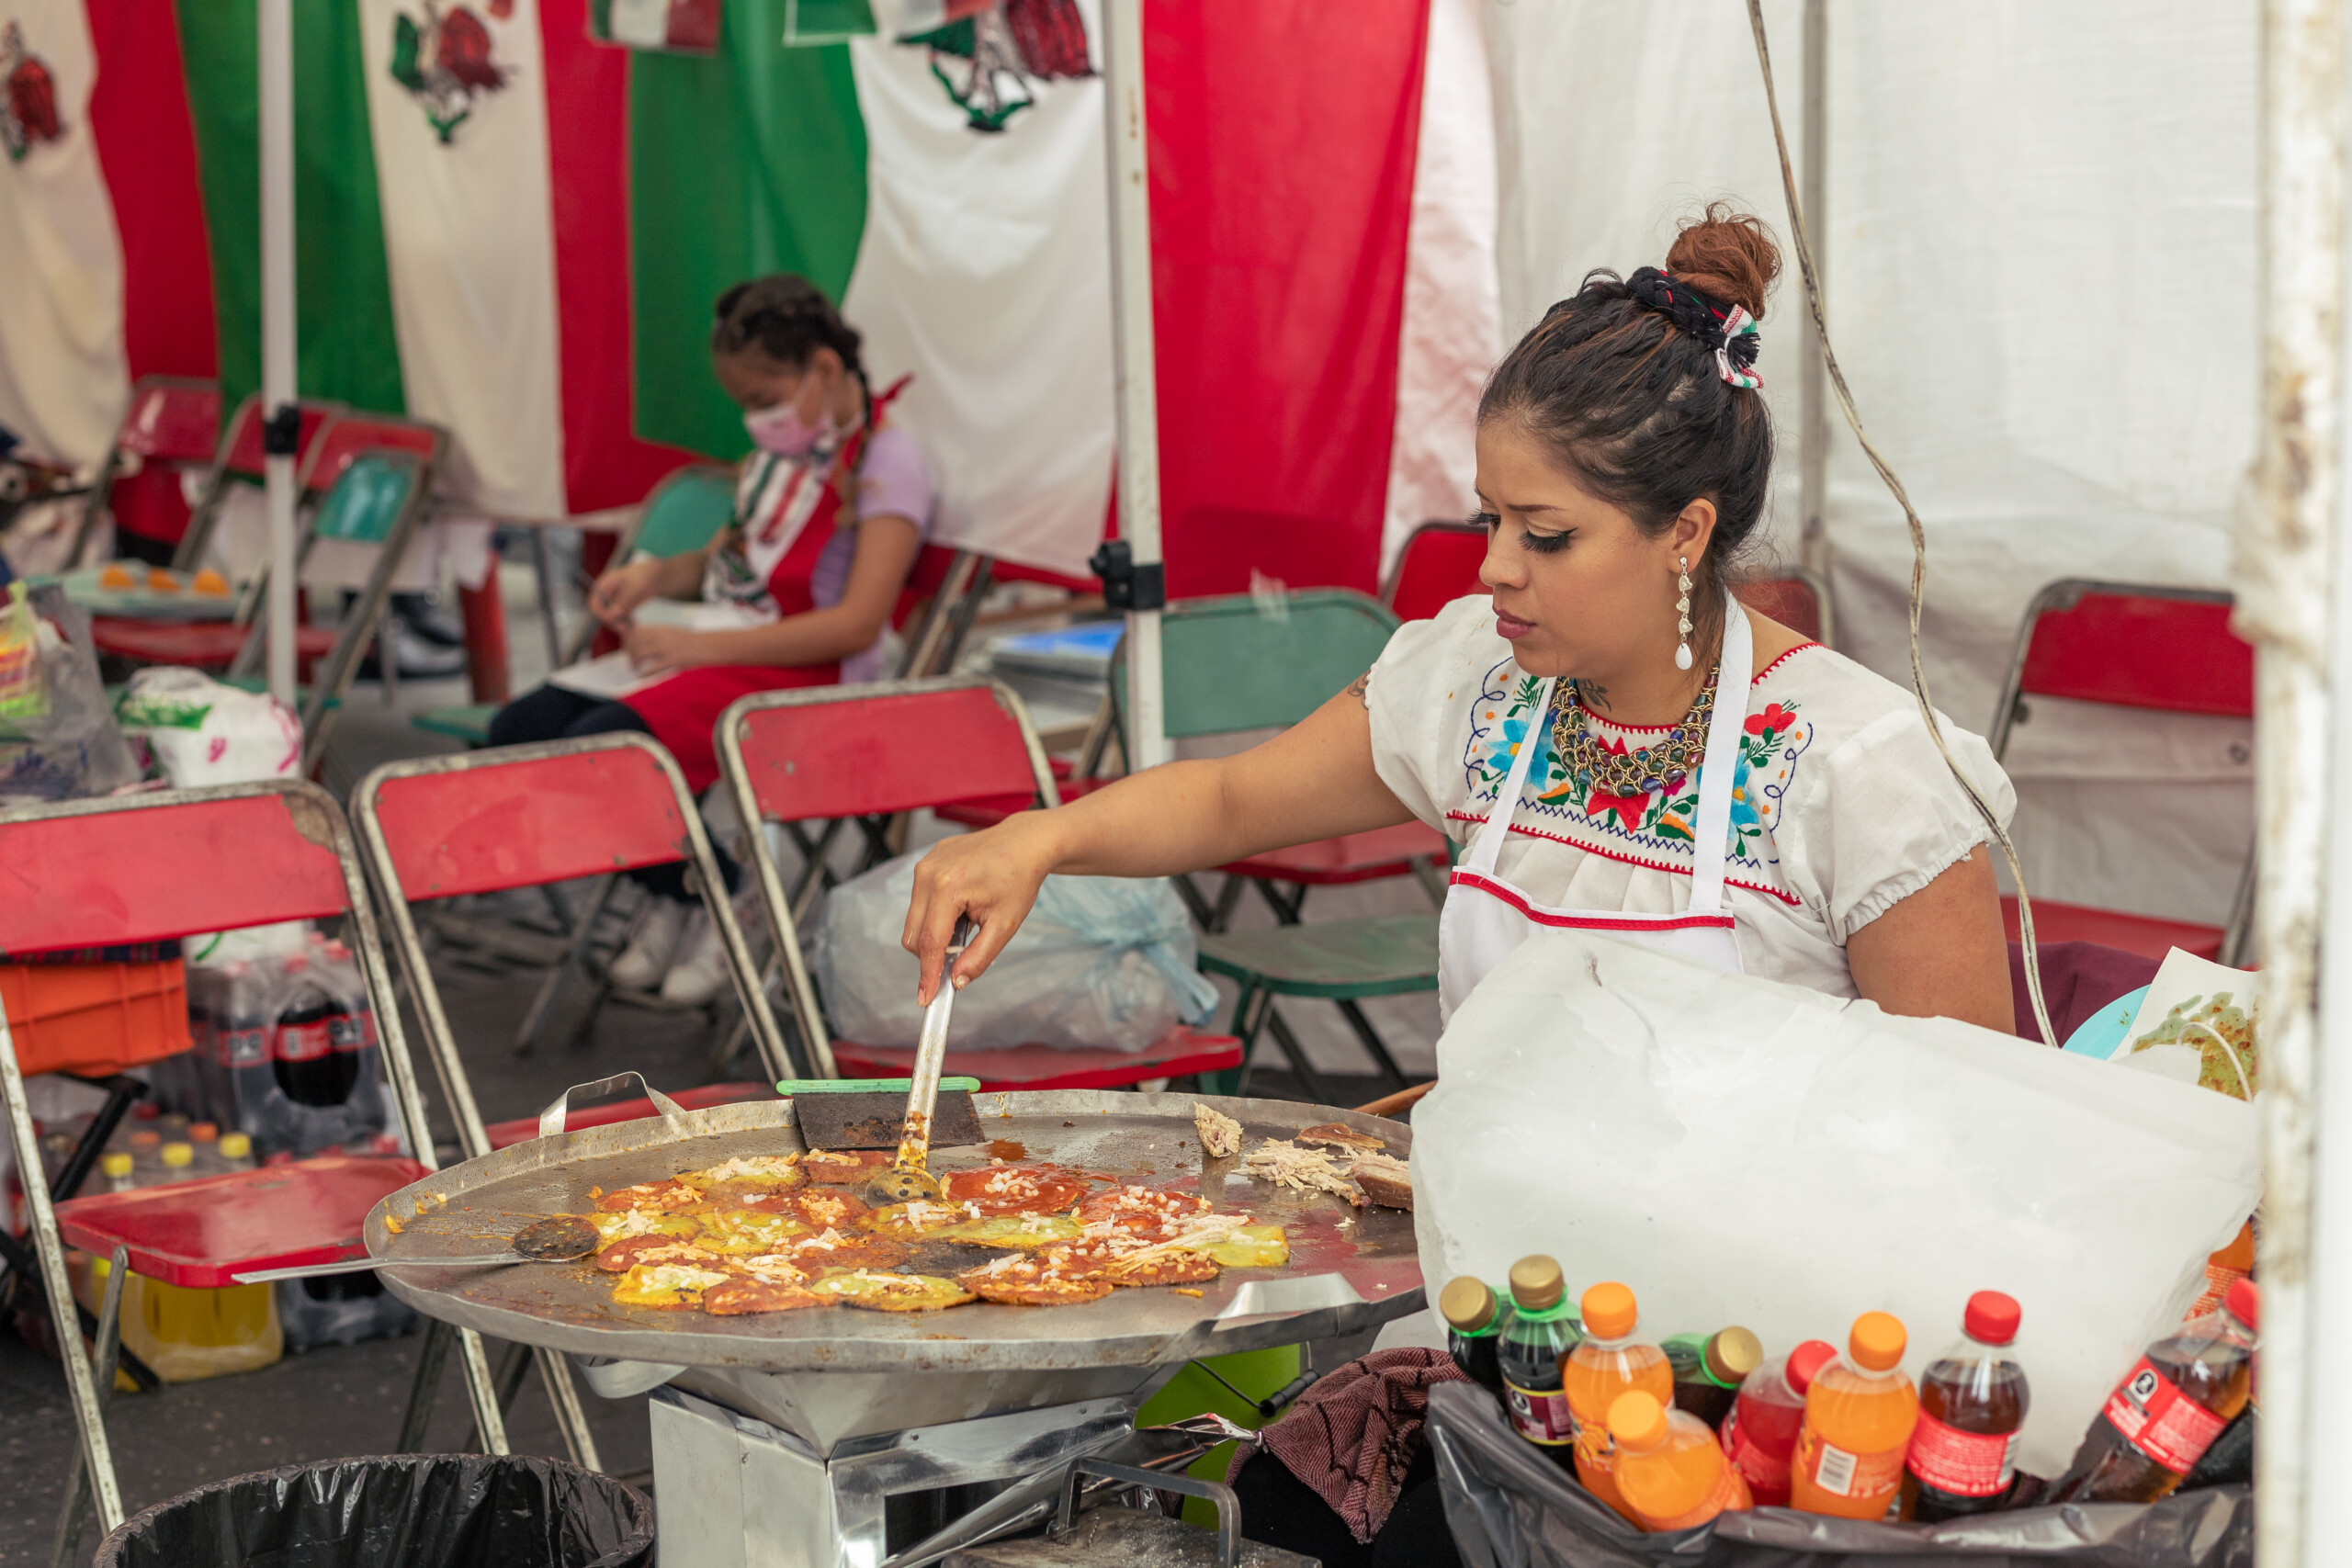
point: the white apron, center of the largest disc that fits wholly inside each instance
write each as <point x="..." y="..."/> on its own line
<point x="1485" y="918"/>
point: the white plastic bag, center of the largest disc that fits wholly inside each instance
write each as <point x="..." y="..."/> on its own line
<point x="206" y="733"/>
<point x="1744" y="1152"/>
<point x="1103" y="962"/>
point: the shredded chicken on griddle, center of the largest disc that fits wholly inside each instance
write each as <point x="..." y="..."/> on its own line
<point x="1220" y="1133"/>
<point x="1305" y="1170"/>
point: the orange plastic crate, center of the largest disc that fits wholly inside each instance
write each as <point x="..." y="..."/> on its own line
<point x="95" y="1018"/>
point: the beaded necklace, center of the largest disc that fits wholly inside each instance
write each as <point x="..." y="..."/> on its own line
<point x="1622" y="773"/>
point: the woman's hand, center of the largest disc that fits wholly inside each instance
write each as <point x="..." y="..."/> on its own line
<point x="992" y="876"/>
<point x="653" y="649"/>
<point x="620" y="591"/>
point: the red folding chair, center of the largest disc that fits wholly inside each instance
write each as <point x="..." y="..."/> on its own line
<point x="1799" y="602"/>
<point x="1439" y="564"/>
<point x="170" y="426"/>
<point x="867" y="753"/>
<point x="240" y="460"/>
<point x="526" y="816"/>
<point x="156" y="867"/>
<point x="2130" y="646"/>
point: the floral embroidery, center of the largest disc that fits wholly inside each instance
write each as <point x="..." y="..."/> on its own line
<point x="1659" y="828"/>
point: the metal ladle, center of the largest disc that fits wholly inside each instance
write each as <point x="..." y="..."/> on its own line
<point x="565" y="1238"/>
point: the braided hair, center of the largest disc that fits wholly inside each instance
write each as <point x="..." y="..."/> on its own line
<point x="786" y="318"/>
<point x="1644" y="390"/>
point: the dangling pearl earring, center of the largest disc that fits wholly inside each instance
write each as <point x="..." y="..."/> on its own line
<point x="1682" y="612"/>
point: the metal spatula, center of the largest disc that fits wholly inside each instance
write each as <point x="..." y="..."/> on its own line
<point x="909" y="1177"/>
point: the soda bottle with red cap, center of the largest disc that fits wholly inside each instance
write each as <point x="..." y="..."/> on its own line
<point x="1760" y="1434"/>
<point x="2170" y="1407"/>
<point x="1972" y="1402"/>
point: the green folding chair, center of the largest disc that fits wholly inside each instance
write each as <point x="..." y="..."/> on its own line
<point x="1231" y="665"/>
<point x="684" y="513"/>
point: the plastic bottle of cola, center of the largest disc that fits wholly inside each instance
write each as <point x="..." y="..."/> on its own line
<point x="1857" y="1419"/>
<point x="1709" y="1370"/>
<point x="1668" y="1468"/>
<point x="1612" y="1360"/>
<point x="1972" y="1401"/>
<point x="303" y="1048"/>
<point x="2170" y="1407"/>
<point x="1473" y="1324"/>
<point x="1540" y="1331"/>
<point x="1760" y="1434"/>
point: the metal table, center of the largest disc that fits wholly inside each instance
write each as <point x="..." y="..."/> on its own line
<point x="834" y="1410"/>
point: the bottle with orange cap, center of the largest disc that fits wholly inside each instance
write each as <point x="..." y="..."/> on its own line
<point x="1857" y="1419"/>
<point x="1611" y="1362"/>
<point x="1670" y="1469"/>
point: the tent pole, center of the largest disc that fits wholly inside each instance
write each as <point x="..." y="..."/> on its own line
<point x="2285" y="573"/>
<point x="1135" y="371"/>
<point x="281" y="433"/>
<point x="1812" y="446"/>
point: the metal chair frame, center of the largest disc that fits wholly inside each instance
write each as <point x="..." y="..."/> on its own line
<point x="2065" y="594"/>
<point x="318" y="818"/>
<point x="807" y="1009"/>
<point x="207" y="510"/>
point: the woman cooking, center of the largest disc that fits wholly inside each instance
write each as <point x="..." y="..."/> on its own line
<point x="1614" y="743"/>
<point x="1674" y="769"/>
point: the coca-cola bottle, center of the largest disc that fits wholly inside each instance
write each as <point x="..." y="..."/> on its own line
<point x="302" y="1045"/>
<point x="1972" y="1402"/>
<point x="2170" y="1407"/>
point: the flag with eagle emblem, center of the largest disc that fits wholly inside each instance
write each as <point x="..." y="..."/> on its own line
<point x="516" y="230"/>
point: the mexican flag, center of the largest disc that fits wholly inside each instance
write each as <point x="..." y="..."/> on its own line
<point x="516" y="229"/>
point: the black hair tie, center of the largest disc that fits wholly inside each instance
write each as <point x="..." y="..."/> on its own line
<point x="1730" y="331"/>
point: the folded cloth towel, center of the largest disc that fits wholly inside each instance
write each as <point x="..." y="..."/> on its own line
<point x="1353" y="1436"/>
<point x="2078" y="979"/>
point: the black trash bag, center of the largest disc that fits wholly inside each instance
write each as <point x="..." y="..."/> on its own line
<point x="1510" y="1507"/>
<point x="399" y="1511"/>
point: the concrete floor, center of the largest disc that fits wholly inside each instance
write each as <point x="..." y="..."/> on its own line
<point x="343" y="1401"/>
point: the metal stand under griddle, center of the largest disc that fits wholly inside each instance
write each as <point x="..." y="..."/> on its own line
<point x="779" y="1440"/>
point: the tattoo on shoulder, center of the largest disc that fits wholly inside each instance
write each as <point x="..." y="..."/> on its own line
<point x="1362" y="688"/>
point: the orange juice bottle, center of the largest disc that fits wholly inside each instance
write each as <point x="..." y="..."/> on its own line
<point x="1669" y="1469"/>
<point x="1610" y="1362"/>
<point x="1857" y="1419"/>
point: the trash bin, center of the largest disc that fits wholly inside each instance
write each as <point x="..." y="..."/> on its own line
<point x="1510" y="1507"/>
<point x="397" y="1511"/>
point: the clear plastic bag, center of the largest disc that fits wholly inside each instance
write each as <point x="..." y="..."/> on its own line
<point x="58" y="737"/>
<point x="1742" y="1151"/>
<point x="1102" y="963"/>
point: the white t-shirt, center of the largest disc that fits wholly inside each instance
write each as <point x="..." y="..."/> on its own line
<point x="1841" y="806"/>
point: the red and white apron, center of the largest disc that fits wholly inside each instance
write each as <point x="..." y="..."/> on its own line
<point x="774" y="559"/>
<point x="1485" y="918"/>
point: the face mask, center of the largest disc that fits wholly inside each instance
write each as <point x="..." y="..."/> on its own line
<point x="781" y="430"/>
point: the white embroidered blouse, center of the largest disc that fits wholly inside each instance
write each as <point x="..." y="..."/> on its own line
<point x="1841" y="806"/>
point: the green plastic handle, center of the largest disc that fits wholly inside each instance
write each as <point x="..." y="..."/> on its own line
<point x="791" y="1087"/>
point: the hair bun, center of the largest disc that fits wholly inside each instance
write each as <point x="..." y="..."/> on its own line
<point x="1729" y="256"/>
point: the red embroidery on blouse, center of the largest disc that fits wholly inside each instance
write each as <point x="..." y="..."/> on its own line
<point x="1791" y="899"/>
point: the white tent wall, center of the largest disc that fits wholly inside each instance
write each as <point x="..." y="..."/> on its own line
<point x="2038" y="248"/>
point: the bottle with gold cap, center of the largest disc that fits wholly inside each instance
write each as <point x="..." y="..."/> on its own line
<point x="1709" y="1370"/>
<point x="1669" y="1469"/>
<point x="1857" y="1419"/>
<point x="1474" y="1325"/>
<point x="1528" y="1352"/>
<point x="116" y="1169"/>
<point x="1612" y="1360"/>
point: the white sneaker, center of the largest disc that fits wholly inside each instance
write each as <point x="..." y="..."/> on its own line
<point x="700" y="971"/>
<point x="652" y="947"/>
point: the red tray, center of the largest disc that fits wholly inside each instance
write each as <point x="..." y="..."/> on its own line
<point x="199" y="1233"/>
